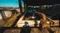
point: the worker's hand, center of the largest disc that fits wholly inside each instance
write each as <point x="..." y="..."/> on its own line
<point x="46" y="25"/>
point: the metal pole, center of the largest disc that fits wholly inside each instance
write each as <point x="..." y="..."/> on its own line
<point x="20" y="6"/>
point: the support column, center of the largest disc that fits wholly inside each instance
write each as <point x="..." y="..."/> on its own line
<point x="20" y="6"/>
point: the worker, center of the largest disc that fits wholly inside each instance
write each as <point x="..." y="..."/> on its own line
<point x="44" y="23"/>
<point x="43" y="20"/>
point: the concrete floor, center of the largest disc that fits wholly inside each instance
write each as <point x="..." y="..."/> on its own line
<point x="33" y="30"/>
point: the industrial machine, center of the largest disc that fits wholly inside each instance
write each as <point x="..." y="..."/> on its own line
<point x="33" y="10"/>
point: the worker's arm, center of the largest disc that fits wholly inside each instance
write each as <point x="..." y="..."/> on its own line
<point x="43" y="16"/>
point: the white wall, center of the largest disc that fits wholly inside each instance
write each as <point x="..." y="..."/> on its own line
<point x="8" y="13"/>
<point x="0" y="16"/>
